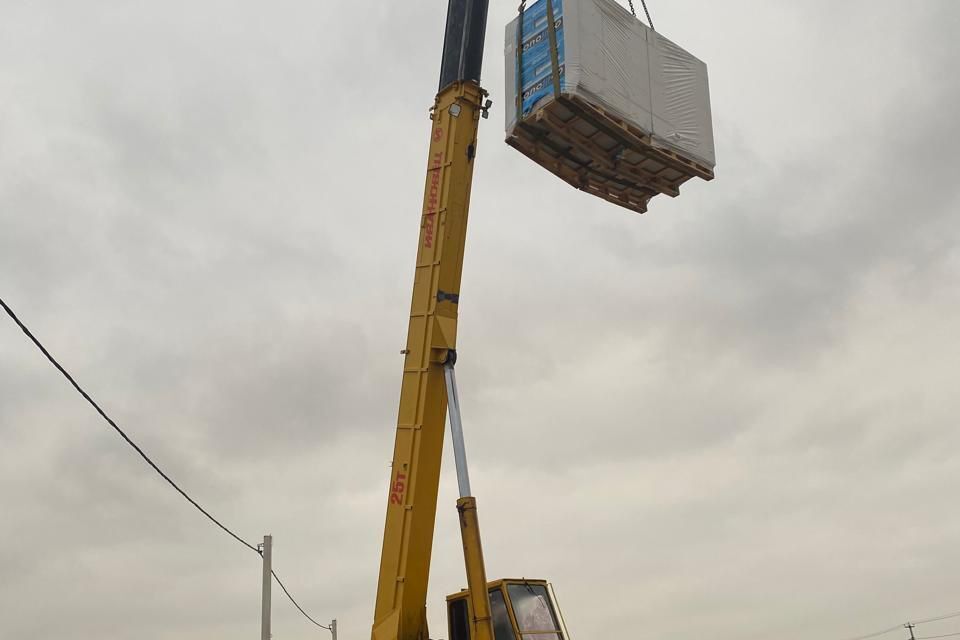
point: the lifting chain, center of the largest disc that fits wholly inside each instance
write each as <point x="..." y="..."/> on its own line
<point x="645" y="11"/>
<point x="520" y="9"/>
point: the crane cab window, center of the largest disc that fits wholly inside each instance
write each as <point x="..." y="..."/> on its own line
<point x="533" y="612"/>
<point x="459" y="620"/>
<point x="502" y="628"/>
<point x="458" y="617"/>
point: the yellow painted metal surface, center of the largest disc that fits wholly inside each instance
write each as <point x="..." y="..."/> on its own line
<point x="519" y="632"/>
<point x="412" y="495"/>
<point x="481" y="622"/>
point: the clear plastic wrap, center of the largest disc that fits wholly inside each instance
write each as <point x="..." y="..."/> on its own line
<point x="609" y="59"/>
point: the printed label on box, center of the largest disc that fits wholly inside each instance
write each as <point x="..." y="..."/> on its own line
<point x="537" y="72"/>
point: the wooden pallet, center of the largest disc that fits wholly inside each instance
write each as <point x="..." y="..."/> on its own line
<point x="600" y="153"/>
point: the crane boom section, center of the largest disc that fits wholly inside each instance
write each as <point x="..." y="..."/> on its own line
<point x="414" y="484"/>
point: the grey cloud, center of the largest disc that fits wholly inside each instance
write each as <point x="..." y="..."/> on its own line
<point x="733" y="416"/>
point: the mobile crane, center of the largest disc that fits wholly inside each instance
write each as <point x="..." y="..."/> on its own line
<point x="503" y="609"/>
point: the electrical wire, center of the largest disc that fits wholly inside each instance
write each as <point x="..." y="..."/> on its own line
<point x="936" y="618"/>
<point x="945" y="616"/>
<point x="877" y="633"/>
<point x="306" y="615"/>
<point x="142" y="453"/>
<point x="116" y="428"/>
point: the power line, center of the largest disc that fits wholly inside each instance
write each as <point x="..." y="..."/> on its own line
<point x="877" y="633"/>
<point x="143" y="454"/>
<point x="277" y="578"/>
<point x="912" y="624"/>
<point x="936" y="618"/>
<point x="116" y="428"/>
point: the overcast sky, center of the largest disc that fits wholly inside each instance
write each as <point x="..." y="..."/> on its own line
<point x="734" y="417"/>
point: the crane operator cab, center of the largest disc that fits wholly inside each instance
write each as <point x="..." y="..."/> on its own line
<point x="521" y="610"/>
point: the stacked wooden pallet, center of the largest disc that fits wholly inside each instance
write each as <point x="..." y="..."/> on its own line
<point x="604" y="155"/>
<point x="605" y="102"/>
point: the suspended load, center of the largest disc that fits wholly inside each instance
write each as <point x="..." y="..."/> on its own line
<point x="606" y="103"/>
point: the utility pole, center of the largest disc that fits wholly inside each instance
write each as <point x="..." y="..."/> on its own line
<point x="909" y="626"/>
<point x="333" y="628"/>
<point x="266" y="550"/>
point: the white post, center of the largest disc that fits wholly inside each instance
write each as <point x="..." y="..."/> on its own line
<point x="333" y="628"/>
<point x="267" y="583"/>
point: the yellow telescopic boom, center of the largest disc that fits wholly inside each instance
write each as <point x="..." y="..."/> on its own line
<point x="400" y="612"/>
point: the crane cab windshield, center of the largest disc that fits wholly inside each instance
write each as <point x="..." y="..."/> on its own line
<point x="521" y="610"/>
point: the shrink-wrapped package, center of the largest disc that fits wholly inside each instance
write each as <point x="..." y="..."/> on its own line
<point x="632" y="117"/>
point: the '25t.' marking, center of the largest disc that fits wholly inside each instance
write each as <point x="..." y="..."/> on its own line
<point x="398" y="489"/>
